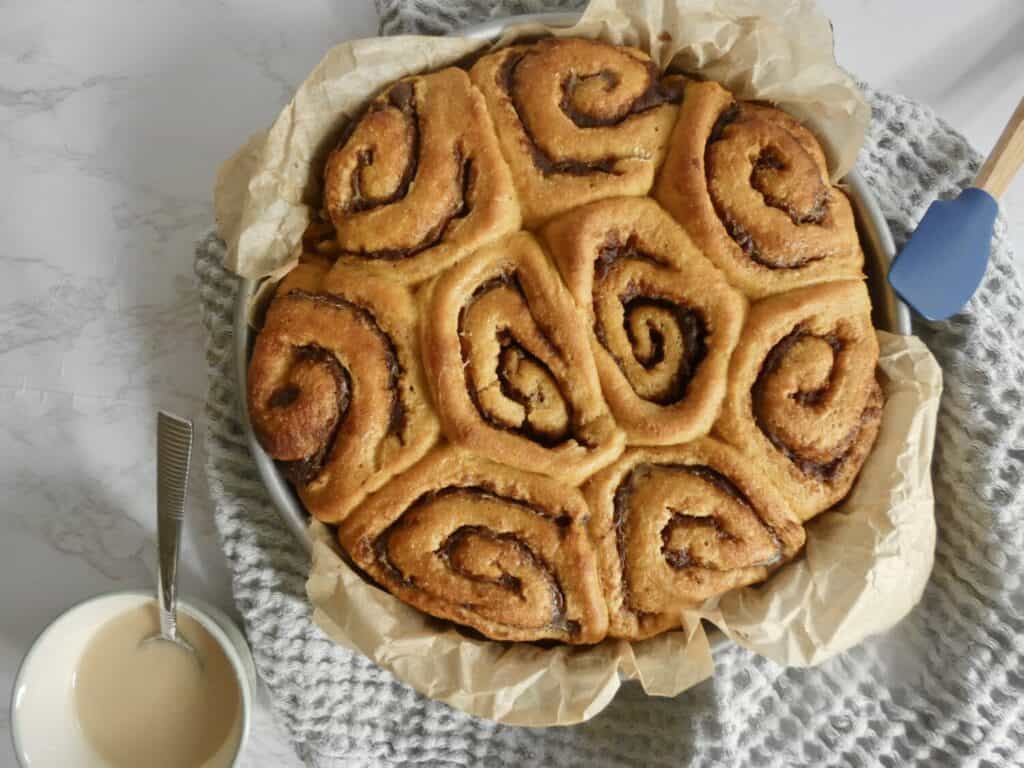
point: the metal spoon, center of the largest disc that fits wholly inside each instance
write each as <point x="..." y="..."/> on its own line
<point x="173" y="454"/>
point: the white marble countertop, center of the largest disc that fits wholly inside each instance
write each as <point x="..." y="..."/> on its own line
<point x="113" y="118"/>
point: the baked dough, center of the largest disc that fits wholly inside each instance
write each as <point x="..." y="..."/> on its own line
<point x="418" y="181"/>
<point x="675" y="526"/>
<point x="494" y="548"/>
<point x="749" y="184"/>
<point x="335" y="387"/>
<point x="543" y="399"/>
<point x="663" y="321"/>
<point x="578" y="120"/>
<point x="510" y="365"/>
<point x="804" y="403"/>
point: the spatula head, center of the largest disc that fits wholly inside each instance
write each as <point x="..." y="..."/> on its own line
<point x="942" y="264"/>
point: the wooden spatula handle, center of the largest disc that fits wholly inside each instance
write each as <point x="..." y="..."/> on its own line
<point x="1006" y="158"/>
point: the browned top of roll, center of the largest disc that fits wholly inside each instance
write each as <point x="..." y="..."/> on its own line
<point x="510" y="365"/>
<point x="578" y="120"/>
<point x="677" y="525"/>
<point x="804" y="402"/>
<point x="750" y="185"/>
<point x="335" y="386"/>
<point x="418" y="181"/>
<point x="663" y="320"/>
<point x="484" y="545"/>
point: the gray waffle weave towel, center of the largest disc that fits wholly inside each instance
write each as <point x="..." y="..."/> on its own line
<point x="946" y="687"/>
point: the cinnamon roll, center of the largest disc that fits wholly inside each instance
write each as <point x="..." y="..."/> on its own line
<point x="419" y="180"/>
<point x="578" y="120"/>
<point x="804" y="403"/>
<point x="663" y="320"/>
<point x="677" y="525"/>
<point x="510" y="365"/>
<point x="497" y="549"/>
<point x="750" y="185"/>
<point x="335" y="389"/>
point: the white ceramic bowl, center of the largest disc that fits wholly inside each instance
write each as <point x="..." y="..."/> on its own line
<point x="44" y="726"/>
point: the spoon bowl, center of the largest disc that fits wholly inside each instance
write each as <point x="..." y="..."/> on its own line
<point x="179" y="641"/>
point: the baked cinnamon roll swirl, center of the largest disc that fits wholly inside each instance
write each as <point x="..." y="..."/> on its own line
<point x="497" y="549"/>
<point x="663" y="320"/>
<point x="804" y="403"/>
<point x="510" y="365"/>
<point x="750" y="185"/>
<point x="677" y="525"/>
<point x="419" y="181"/>
<point x="335" y="389"/>
<point x="578" y="120"/>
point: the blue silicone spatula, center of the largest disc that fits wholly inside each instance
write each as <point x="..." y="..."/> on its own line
<point x="942" y="264"/>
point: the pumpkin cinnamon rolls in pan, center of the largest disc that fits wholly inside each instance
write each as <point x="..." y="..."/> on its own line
<point x="575" y="346"/>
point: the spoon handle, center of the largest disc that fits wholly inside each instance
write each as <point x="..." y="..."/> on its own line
<point x="1006" y="157"/>
<point x="173" y="454"/>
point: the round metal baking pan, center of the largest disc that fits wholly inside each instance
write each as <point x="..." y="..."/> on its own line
<point x="890" y="314"/>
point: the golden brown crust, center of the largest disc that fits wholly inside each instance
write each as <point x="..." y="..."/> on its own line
<point x="307" y="275"/>
<point x="431" y="384"/>
<point x="578" y="120"/>
<point x="675" y="526"/>
<point x="503" y="551"/>
<point x="510" y="366"/>
<point x="419" y="182"/>
<point x="335" y="388"/>
<point x="750" y="186"/>
<point x="662" y="319"/>
<point x="804" y="403"/>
